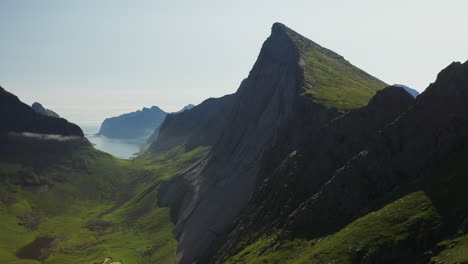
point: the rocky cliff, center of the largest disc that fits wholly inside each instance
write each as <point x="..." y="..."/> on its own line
<point x="285" y="100"/>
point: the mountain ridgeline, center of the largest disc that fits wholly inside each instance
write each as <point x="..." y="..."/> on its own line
<point x="18" y="117"/>
<point x="311" y="160"/>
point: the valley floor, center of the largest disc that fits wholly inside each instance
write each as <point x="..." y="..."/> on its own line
<point x="86" y="209"/>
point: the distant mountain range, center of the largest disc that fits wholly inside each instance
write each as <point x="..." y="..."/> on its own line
<point x="136" y="125"/>
<point x="411" y="91"/>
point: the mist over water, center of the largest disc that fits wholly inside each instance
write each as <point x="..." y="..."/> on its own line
<point x="120" y="148"/>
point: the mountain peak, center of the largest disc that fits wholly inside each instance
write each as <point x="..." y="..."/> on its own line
<point x="279" y="28"/>
<point x="329" y="79"/>
<point x="280" y="31"/>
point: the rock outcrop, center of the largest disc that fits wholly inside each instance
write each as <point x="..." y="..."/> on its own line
<point x="280" y="104"/>
<point x="42" y="110"/>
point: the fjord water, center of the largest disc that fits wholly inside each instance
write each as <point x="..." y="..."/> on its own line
<point x="120" y="148"/>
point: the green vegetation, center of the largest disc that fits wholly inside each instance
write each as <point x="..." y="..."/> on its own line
<point x="330" y="80"/>
<point x="385" y="228"/>
<point x="454" y="251"/>
<point x="335" y="83"/>
<point x="98" y="206"/>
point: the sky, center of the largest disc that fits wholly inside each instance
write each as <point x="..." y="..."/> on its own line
<point x="92" y="59"/>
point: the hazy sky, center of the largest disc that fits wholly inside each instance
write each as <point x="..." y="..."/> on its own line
<point x="91" y="59"/>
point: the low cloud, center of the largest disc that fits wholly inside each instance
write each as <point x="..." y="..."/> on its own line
<point x="44" y="137"/>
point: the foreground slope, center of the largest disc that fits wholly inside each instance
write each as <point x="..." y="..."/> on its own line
<point x="292" y="90"/>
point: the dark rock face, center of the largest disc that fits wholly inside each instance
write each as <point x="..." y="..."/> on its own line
<point x="402" y="155"/>
<point x="28" y="137"/>
<point x="18" y="117"/>
<point x="40" y="109"/>
<point x="139" y="124"/>
<point x="268" y="111"/>
<point x="286" y="181"/>
<point x="199" y="126"/>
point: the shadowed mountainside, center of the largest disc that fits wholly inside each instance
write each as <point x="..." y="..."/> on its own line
<point x="19" y="117"/>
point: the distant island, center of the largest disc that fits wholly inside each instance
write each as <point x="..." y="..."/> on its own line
<point x="140" y="124"/>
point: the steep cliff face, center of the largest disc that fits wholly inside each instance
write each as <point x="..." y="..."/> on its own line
<point x="274" y="106"/>
<point x="284" y="185"/>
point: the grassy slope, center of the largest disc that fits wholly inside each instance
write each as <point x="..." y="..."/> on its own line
<point x="454" y="251"/>
<point x="332" y="81"/>
<point x="338" y="84"/>
<point x="106" y="207"/>
<point x="384" y="228"/>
